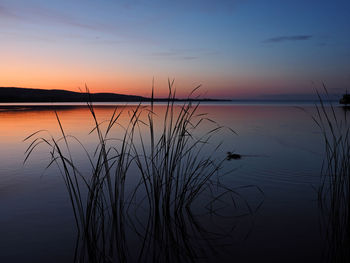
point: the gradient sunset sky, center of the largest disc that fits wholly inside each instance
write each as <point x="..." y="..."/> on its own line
<point x="235" y="49"/>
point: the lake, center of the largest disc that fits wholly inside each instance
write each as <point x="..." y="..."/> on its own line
<point x="275" y="183"/>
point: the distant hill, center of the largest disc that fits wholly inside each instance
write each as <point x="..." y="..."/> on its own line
<point x="14" y="94"/>
<point x="11" y="94"/>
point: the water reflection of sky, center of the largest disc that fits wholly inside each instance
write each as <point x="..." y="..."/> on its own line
<point x="282" y="154"/>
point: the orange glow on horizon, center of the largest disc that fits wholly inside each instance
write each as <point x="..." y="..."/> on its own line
<point x="61" y="72"/>
<point x="27" y="70"/>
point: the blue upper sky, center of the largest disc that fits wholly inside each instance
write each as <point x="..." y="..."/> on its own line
<point x="238" y="48"/>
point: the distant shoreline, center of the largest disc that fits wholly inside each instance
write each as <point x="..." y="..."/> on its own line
<point x="25" y="95"/>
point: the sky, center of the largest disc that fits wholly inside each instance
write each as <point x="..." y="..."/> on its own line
<point x="233" y="48"/>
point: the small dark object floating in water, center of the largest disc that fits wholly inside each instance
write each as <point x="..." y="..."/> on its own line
<point x="345" y="100"/>
<point x="234" y="156"/>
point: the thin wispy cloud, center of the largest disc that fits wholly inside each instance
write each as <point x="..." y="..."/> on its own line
<point x="294" y="38"/>
<point x="173" y="55"/>
<point x="184" y="54"/>
<point x="40" y="15"/>
<point x="7" y="13"/>
<point x="202" y="6"/>
<point x="207" y="6"/>
<point x="165" y="54"/>
<point x="190" y="58"/>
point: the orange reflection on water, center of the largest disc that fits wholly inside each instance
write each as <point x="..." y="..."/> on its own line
<point x="16" y="125"/>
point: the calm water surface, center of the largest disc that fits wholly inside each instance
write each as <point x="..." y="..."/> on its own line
<point x="282" y="154"/>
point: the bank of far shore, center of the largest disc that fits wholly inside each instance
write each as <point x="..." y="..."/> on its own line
<point x="25" y="95"/>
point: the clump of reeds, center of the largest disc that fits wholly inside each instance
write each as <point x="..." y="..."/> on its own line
<point x="97" y="198"/>
<point x="334" y="191"/>
<point x="174" y="168"/>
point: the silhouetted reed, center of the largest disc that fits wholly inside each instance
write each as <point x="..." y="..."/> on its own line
<point x="174" y="168"/>
<point x="334" y="191"/>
